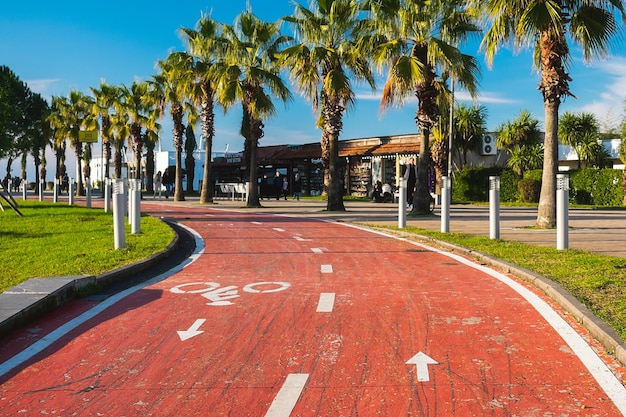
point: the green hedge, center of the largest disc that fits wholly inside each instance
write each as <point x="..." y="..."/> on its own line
<point x="599" y="187"/>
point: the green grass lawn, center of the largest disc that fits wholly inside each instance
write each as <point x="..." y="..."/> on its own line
<point x="59" y="240"/>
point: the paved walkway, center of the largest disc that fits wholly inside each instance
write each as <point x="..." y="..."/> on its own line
<point x="598" y="231"/>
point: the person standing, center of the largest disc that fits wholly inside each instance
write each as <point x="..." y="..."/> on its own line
<point x="285" y="187"/>
<point x="157" y="185"/>
<point x="410" y="175"/>
<point x="297" y="187"/>
<point x="278" y="185"/>
<point x="167" y="182"/>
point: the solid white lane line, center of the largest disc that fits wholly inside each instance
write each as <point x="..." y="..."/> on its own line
<point x="287" y="397"/>
<point x="326" y="269"/>
<point x="326" y="302"/>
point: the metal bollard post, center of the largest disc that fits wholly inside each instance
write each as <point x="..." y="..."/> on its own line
<point x="41" y="187"/>
<point x="494" y="207"/>
<point x="135" y="207"/>
<point x="130" y="196"/>
<point x="119" y="233"/>
<point x="106" y="184"/>
<point x="70" y="191"/>
<point x="562" y="207"/>
<point x="445" y="204"/>
<point x="24" y="189"/>
<point x="55" y="197"/>
<point x="402" y="205"/>
<point x="87" y="193"/>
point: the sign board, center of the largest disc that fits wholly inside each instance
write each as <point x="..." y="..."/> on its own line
<point x="90" y="136"/>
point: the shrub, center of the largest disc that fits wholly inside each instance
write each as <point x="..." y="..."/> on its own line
<point x="529" y="190"/>
<point x="509" y="191"/>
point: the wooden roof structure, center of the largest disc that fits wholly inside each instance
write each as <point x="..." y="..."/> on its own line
<point x="366" y="147"/>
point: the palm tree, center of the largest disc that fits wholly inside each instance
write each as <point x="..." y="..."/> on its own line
<point x="106" y="96"/>
<point x="135" y="105"/>
<point x="120" y="134"/>
<point x="250" y="76"/>
<point x="206" y="45"/>
<point x="521" y="138"/>
<point x="471" y="125"/>
<point x="58" y="136"/>
<point x="321" y="64"/>
<point x="72" y="114"/>
<point x="170" y="88"/>
<point x="547" y="26"/>
<point x="581" y="132"/>
<point x="417" y="40"/>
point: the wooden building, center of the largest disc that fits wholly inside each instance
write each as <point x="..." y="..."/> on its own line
<point x="365" y="161"/>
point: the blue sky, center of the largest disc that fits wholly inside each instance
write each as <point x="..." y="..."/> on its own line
<point x="58" y="46"/>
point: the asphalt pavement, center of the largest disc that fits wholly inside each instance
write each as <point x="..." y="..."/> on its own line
<point x="598" y="231"/>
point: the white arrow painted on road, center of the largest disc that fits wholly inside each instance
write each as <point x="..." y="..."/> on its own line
<point x="421" y="362"/>
<point x="192" y="331"/>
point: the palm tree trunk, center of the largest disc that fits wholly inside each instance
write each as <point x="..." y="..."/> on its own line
<point x="546" y="212"/>
<point x="421" y="198"/>
<point x="208" y="120"/>
<point x="78" y="148"/>
<point x="335" y="189"/>
<point x="332" y="112"/>
<point x="256" y="132"/>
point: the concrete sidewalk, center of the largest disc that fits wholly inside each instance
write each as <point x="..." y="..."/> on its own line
<point x="598" y="231"/>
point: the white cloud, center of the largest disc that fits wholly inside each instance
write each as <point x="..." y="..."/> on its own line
<point x="43" y="87"/>
<point x="608" y="104"/>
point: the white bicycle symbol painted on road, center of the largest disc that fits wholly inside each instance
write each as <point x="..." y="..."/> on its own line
<point x="219" y="296"/>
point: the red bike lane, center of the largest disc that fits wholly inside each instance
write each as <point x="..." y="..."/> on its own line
<point x="282" y="316"/>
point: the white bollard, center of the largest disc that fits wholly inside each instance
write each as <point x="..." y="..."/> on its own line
<point x="88" y="193"/>
<point x="494" y="207"/>
<point x="106" y="184"/>
<point x="55" y="196"/>
<point x="445" y="204"/>
<point x="135" y="206"/>
<point x="402" y="204"/>
<point x="119" y="233"/>
<point x="70" y="191"/>
<point x="562" y="207"/>
<point x="24" y="189"/>
<point x="41" y="187"/>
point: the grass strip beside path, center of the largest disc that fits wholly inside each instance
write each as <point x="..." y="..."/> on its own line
<point x="61" y="240"/>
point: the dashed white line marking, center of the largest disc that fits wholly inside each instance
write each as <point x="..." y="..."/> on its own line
<point x="278" y="229"/>
<point x="326" y="269"/>
<point x="301" y="239"/>
<point x="256" y="222"/>
<point x="317" y="250"/>
<point x="287" y="397"/>
<point x="326" y="302"/>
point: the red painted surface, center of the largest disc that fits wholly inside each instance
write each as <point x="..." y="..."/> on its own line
<point x="496" y="355"/>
